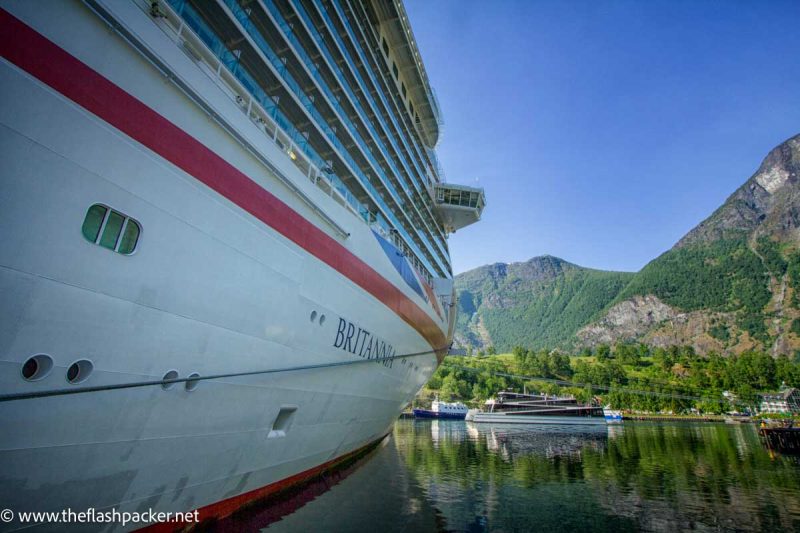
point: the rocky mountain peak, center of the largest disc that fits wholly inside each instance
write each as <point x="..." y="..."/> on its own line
<point x="542" y="267"/>
<point x="767" y="203"/>
<point x="539" y="268"/>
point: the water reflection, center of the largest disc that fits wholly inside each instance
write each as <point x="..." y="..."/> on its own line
<point x="456" y="476"/>
<point x="655" y="477"/>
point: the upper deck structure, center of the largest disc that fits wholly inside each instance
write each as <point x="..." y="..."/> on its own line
<point x="458" y="205"/>
<point x="344" y="86"/>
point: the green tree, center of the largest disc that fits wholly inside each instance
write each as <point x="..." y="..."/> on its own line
<point x="626" y="354"/>
<point x="603" y="352"/>
<point x="752" y="369"/>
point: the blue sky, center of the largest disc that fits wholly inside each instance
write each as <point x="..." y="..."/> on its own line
<point x="603" y="131"/>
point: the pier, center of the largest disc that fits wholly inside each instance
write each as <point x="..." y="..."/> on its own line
<point x="785" y="440"/>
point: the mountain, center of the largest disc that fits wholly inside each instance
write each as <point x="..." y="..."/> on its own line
<point x="540" y="303"/>
<point x="729" y="285"/>
<point x="768" y="204"/>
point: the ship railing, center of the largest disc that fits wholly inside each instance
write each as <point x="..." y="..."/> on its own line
<point x="323" y="12"/>
<point x="313" y="71"/>
<point x="241" y="19"/>
<point x="268" y="117"/>
<point x="265" y="114"/>
<point x="352" y="65"/>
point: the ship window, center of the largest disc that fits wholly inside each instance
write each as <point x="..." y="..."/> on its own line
<point x="111" y="229"/>
<point x="129" y="238"/>
<point x="394" y="70"/>
<point x="403" y="89"/>
<point x="385" y="46"/>
<point x="411" y="108"/>
<point x="93" y="221"/>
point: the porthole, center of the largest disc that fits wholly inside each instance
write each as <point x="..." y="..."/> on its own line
<point x="191" y="384"/>
<point x="313" y="316"/>
<point x="321" y="319"/>
<point x="37" y="367"/>
<point x="172" y="374"/>
<point x="79" y="371"/>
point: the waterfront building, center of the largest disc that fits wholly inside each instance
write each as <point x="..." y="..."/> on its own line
<point x="786" y="401"/>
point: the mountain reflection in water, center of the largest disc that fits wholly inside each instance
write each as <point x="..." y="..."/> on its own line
<point x="457" y="476"/>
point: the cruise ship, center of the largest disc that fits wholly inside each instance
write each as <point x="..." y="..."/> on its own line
<point x="224" y="263"/>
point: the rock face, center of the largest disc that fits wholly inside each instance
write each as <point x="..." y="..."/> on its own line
<point x="767" y="204"/>
<point x="729" y="285"/>
<point x="647" y="319"/>
<point x="626" y="320"/>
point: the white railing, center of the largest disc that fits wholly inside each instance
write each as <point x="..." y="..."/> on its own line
<point x="215" y="69"/>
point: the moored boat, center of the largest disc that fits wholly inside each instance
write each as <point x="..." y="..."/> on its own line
<point x="524" y="408"/>
<point x="443" y="410"/>
<point x="612" y="416"/>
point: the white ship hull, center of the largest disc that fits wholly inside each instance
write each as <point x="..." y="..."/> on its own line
<point x="215" y="287"/>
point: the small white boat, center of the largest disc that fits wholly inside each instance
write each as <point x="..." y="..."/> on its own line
<point x="443" y="410"/>
<point x="612" y="416"/>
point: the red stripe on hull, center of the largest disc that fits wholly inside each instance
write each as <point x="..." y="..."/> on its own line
<point x="43" y="59"/>
<point x="226" y="508"/>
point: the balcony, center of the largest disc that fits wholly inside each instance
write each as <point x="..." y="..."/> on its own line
<point x="457" y="206"/>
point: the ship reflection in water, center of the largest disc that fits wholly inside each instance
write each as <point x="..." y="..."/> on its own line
<point x="455" y="476"/>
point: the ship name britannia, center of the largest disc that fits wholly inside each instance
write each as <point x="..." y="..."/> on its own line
<point x="359" y="341"/>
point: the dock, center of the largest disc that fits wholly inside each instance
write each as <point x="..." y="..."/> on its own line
<point x="675" y="418"/>
<point x="781" y="439"/>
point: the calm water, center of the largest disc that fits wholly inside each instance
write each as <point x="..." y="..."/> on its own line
<point x="454" y="476"/>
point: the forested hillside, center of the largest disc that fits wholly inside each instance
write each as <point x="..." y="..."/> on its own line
<point x="722" y="276"/>
<point x="730" y="285"/>
<point x="539" y="303"/>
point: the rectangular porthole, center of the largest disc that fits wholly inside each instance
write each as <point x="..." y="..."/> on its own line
<point x="111" y="229"/>
<point x="283" y="421"/>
